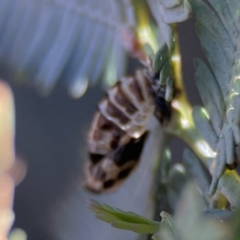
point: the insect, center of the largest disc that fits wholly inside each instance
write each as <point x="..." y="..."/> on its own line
<point x="119" y="128"/>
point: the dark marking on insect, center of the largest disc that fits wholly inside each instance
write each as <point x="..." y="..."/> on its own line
<point x="115" y="166"/>
<point x="163" y="109"/>
<point x="124" y="173"/>
<point x="95" y="158"/>
<point x="108" y="183"/>
<point x="104" y="124"/>
<point x="130" y="151"/>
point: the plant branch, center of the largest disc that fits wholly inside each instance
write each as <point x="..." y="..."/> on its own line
<point x="182" y="126"/>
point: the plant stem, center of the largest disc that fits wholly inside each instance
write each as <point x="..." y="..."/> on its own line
<point x="144" y="30"/>
<point x="182" y="126"/>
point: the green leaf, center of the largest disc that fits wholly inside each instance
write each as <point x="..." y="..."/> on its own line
<point x="216" y="57"/>
<point x="176" y="181"/>
<point x="219" y="87"/>
<point x="123" y="220"/>
<point x="196" y="171"/>
<point x="228" y="11"/>
<point x="210" y="94"/>
<point x="191" y="223"/>
<point x="205" y="127"/>
<point x="166" y="230"/>
<point x="165" y="73"/>
<point x="160" y="58"/>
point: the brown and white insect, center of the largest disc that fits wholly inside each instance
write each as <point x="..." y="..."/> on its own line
<point x="119" y="129"/>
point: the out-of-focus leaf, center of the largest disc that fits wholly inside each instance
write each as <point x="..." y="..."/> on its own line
<point x="17" y="234"/>
<point x="6" y="202"/>
<point x="7" y="158"/>
<point x="190" y="223"/>
<point x="176" y="181"/>
<point x="166" y="227"/>
<point x="67" y="41"/>
<point x="168" y="12"/>
<point x="235" y="224"/>
<point x="195" y="169"/>
<point x="218" y="201"/>
<point x="7" y="127"/>
<point x="219" y="214"/>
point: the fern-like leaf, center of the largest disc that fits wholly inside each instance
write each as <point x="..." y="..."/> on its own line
<point x="69" y="41"/>
<point x="219" y="36"/>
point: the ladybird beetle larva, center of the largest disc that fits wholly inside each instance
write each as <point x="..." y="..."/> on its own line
<point x="119" y="128"/>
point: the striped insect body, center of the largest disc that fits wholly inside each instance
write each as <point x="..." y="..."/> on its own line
<point x="132" y="103"/>
<point x="119" y="128"/>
